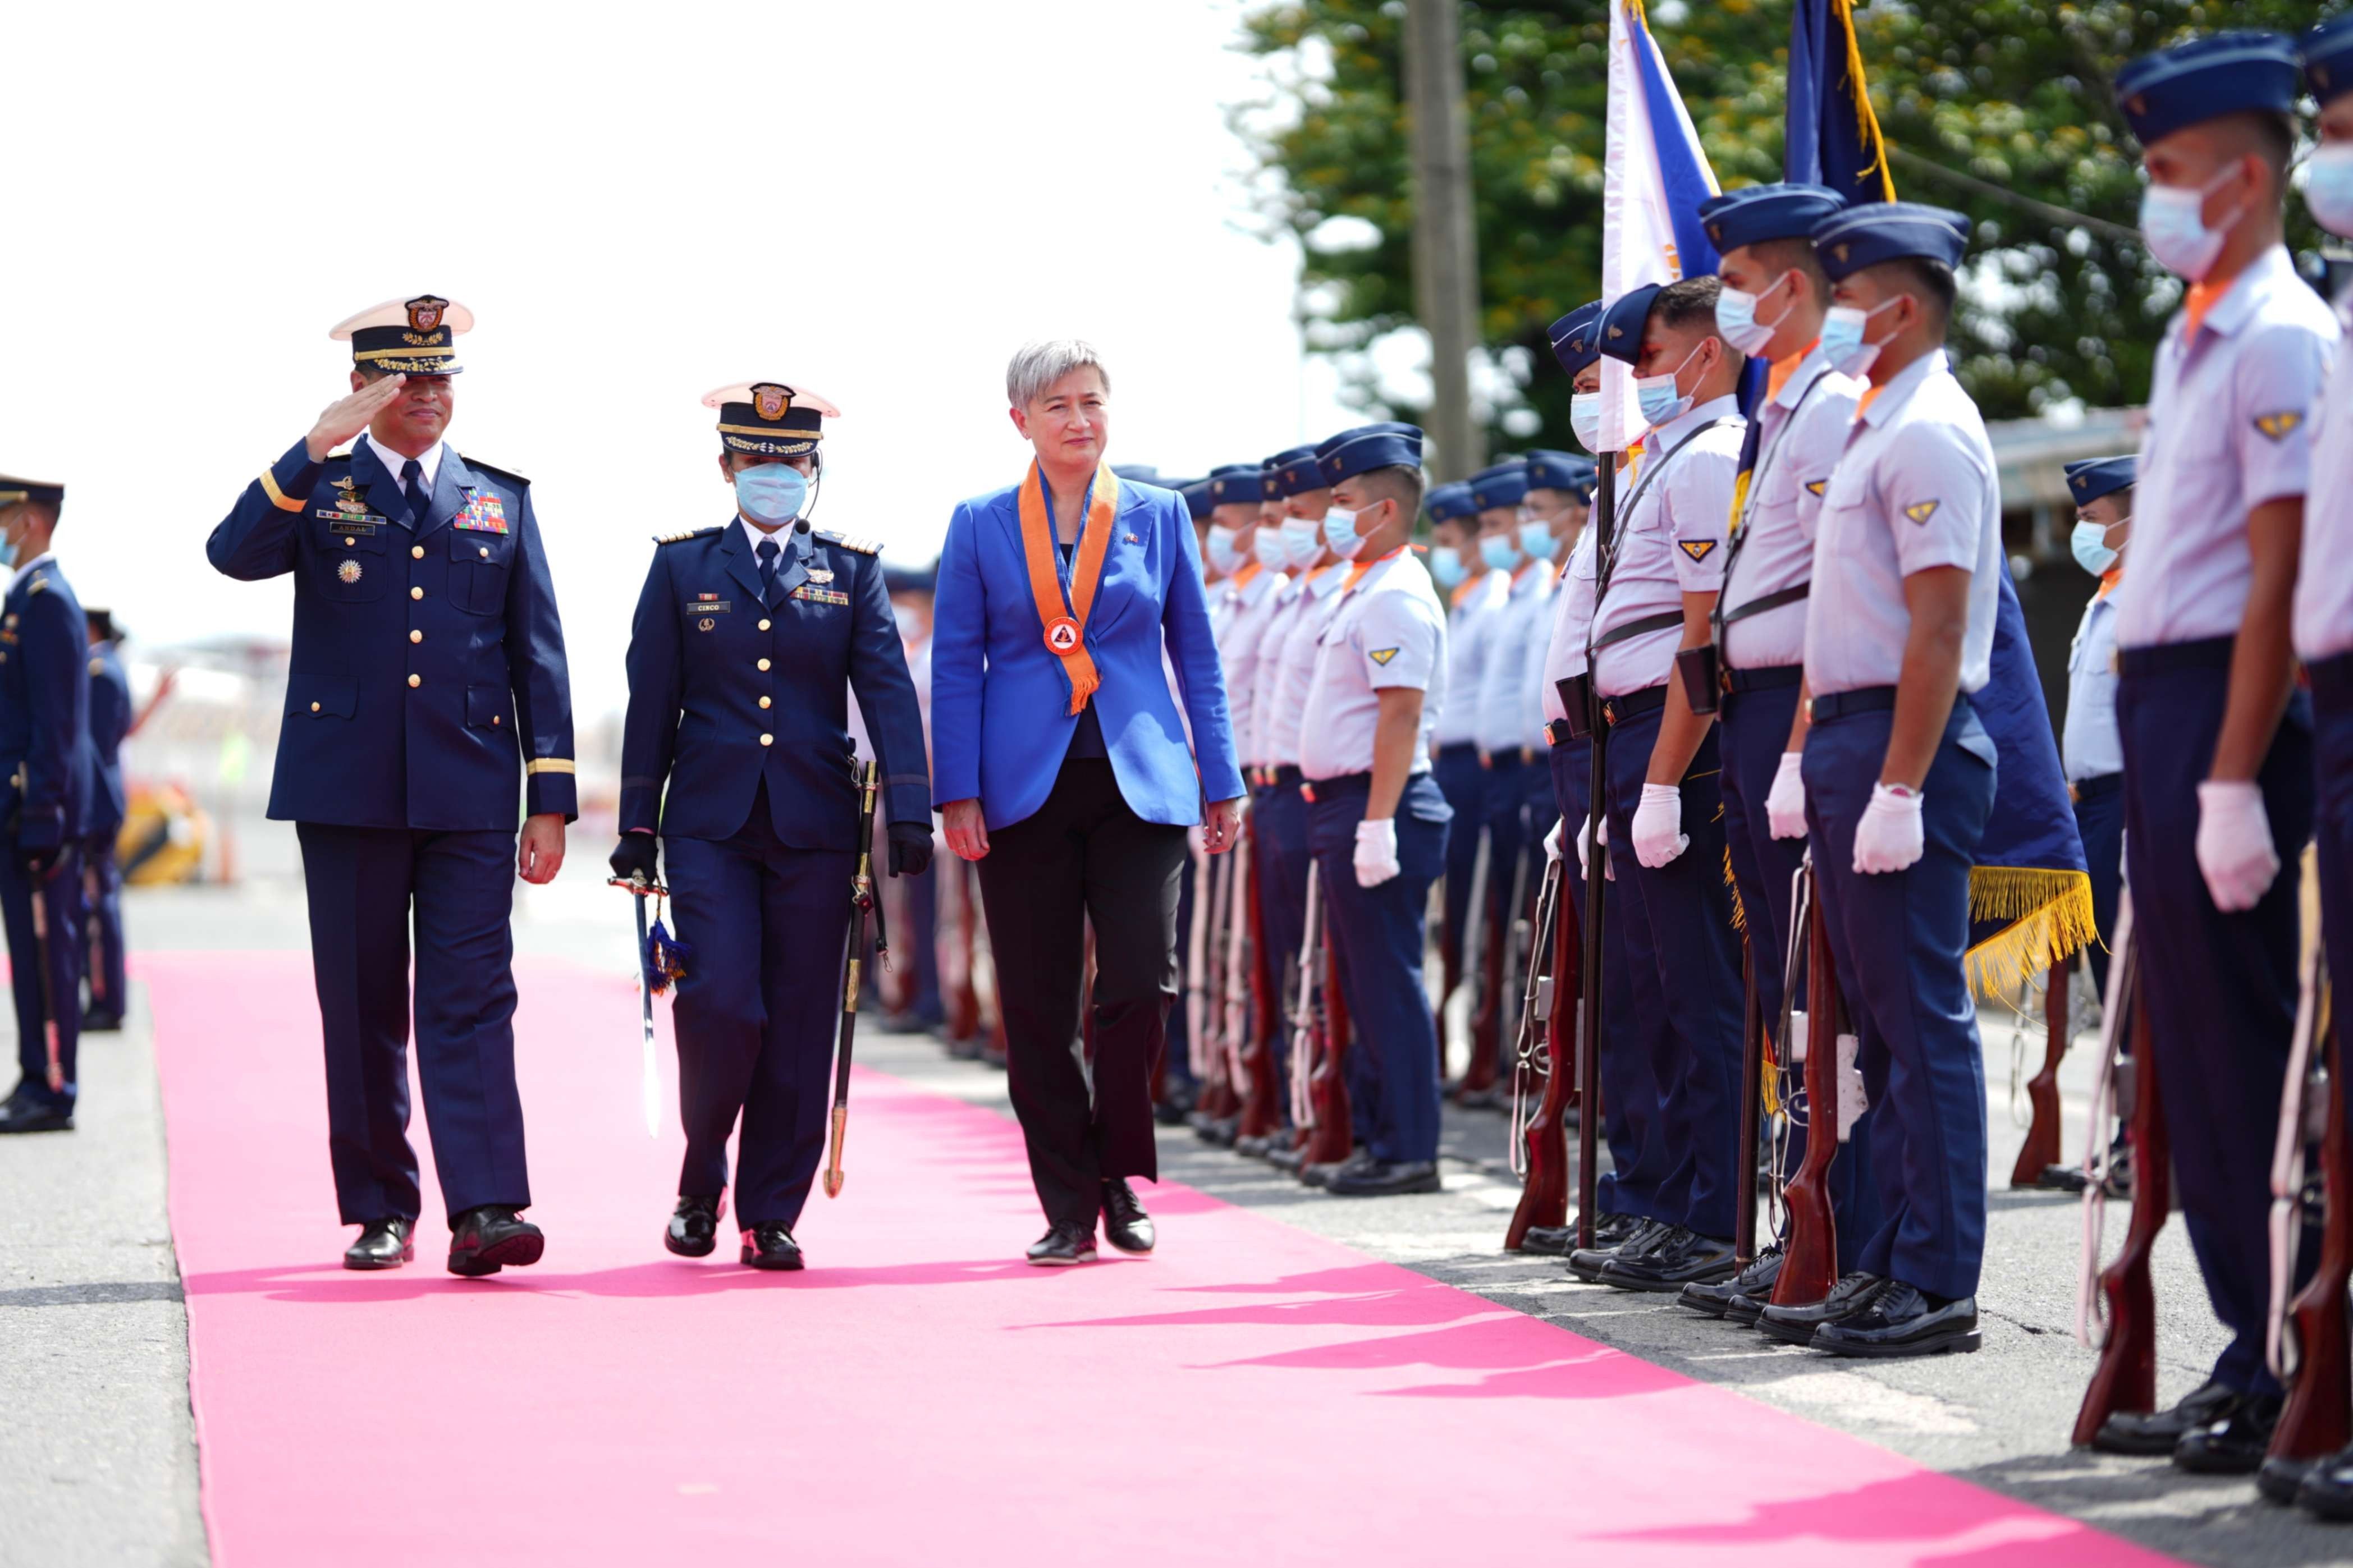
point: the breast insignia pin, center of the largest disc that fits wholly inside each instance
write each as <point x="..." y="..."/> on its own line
<point x="348" y="572"/>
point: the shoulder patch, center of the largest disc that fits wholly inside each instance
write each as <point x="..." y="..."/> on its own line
<point x="690" y="533"/>
<point x="1816" y="486"/>
<point x="1697" y="549"/>
<point x="498" y="473"/>
<point x="1381" y="655"/>
<point x="863" y="546"/>
<point x="2278" y="427"/>
<point x="1921" y="511"/>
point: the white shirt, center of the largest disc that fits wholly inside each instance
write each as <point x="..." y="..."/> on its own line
<point x="2324" y="574"/>
<point x="1803" y="432"/>
<point x="1386" y="631"/>
<point x="1513" y="639"/>
<point x="1253" y="608"/>
<point x="428" y="464"/>
<point x="1572" y="621"/>
<point x="1670" y="542"/>
<point x="1917" y="489"/>
<point x="2092" y="744"/>
<point x="1532" y="712"/>
<point x="2229" y="427"/>
<point x="1293" y="663"/>
<point x="1477" y="604"/>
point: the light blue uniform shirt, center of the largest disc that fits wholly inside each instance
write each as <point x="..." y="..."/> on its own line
<point x="2091" y="743"/>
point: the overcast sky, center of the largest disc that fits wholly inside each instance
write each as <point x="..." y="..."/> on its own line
<point x="640" y="204"/>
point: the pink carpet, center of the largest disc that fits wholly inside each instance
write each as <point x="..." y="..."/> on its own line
<point x="918" y="1396"/>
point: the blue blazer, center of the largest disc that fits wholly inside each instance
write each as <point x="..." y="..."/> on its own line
<point x="45" y="751"/>
<point x="728" y="688"/>
<point x="110" y="720"/>
<point x="428" y="688"/>
<point x="1000" y="703"/>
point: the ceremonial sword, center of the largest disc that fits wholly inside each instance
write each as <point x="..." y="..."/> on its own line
<point x="48" y="993"/>
<point x="650" y="1075"/>
<point x="863" y="905"/>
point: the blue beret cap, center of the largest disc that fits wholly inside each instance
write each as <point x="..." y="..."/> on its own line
<point x="1142" y="473"/>
<point x="1761" y="213"/>
<point x="2097" y="476"/>
<point x="2221" y="73"/>
<point x="1291" y="472"/>
<point x="1559" y="471"/>
<point x="14" y="490"/>
<point x="1387" y="444"/>
<point x="1577" y="338"/>
<point x="1623" y="322"/>
<point x="1869" y="233"/>
<point x="1198" y="499"/>
<point x="2327" y="52"/>
<point x="1449" y="503"/>
<point x="1236" y="484"/>
<point x="1505" y="484"/>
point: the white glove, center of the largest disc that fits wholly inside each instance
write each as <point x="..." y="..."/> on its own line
<point x="1601" y="833"/>
<point x="1890" y="838"/>
<point x="1659" y="834"/>
<point x="1552" y="843"/>
<point x="1785" y="803"/>
<point x="2234" y="844"/>
<point x="1376" y="852"/>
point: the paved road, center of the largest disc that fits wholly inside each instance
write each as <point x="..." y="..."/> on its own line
<point x="97" y="1456"/>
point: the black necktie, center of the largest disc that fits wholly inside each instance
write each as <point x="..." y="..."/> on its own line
<point x="767" y="554"/>
<point x="412" y="485"/>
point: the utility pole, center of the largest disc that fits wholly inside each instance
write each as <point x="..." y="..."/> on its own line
<point x="1445" y="246"/>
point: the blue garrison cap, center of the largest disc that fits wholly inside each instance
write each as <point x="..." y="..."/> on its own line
<point x="1236" y="484"/>
<point x="1387" y="444"/>
<point x="1198" y="499"/>
<point x="1620" y="335"/>
<point x="1560" y="471"/>
<point x="1142" y="473"/>
<point x="2327" y="52"/>
<point x="1869" y="233"/>
<point x="1291" y="472"/>
<point x="1451" y="503"/>
<point x="2096" y="476"/>
<point x="1505" y="484"/>
<point x="2221" y="73"/>
<point x="14" y="490"/>
<point x="1761" y="213"/>
<point x="1577" y="338"/>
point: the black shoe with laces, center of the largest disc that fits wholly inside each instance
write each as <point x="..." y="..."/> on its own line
<point x="1797" y="1324"/>
<point x="771" y="1246"/>
<point x="1064" y="1245"/>
<point x="1126" y="1225"/>
<point x="2235" y="1444"/>
<point x="485" y="1240"/>
<point x="693" y="1228"/>
<point x="2154" y="1434"/>
<point x="381" y="1244"/>
<point x="1587" y="1262"/>
<point x="1693" y="1260"/>
<point x="1715" y="1298"/>
<point x="1901" y="1320"/>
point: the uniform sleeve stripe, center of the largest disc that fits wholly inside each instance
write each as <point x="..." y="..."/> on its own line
<point x="277" y="498"/>
<point x="550" y="766"/>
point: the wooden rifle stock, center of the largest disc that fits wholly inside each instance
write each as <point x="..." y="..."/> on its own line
<point x="1810" y="1266"/>
<point x="2314" y="1358"/>
<point x="1752" y="1104"/>
<point x="2041" y="1149"/>
<point x="2125" y="1376"/>
<point x="1483" y="1065"/>
<point x="1217" y="1101"/>
<point x="1327" y="1090"/>
<point x="961" y="998"/>
<point x="1543" y="1194"/>
<point x="1262" y="1091"/>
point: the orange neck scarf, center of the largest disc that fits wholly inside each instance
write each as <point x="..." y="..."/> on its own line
<point x="1356" y="569"/>
<point x="1064" y="619"/>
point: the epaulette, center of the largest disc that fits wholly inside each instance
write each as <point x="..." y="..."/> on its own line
<point x="863" y="546"/>
<point x="690" y="533"/>
<point x="498" y="473"/>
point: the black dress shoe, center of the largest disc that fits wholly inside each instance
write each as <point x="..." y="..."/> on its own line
<point x="2327" y="1487"/>
<point x="1796" y="1325"/>
<point x="381" y="1244"/>
<point x="486" y="1239"/>
<point x="1587" y="1262"/>
<point x="1712" y="1296"/>
<point x="1126" y="1225"/>
<point x="101" y="1023"/>
<point x="1900" y="1320"/>
<point x="2156" y="1434"/>
<point x="2235" y="1445"/>
<point x="1549" y="1240"/>
<point x="693" y="1229"/>
<point x="1063" y="1246"/>
<point x="1694" y="1259"/>
<point x="1287" y="1156"/>
<point x="1321" y="1176"/>
<point x="2282" y="1478"/>
<point x="770" y="1247"/>
<point x="1218" y="1130"/>
<point x="31" y="1110"/>
<point x="1385" y="1178"/>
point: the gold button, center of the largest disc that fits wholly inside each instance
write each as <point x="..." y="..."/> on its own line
<point x="763" y="702"/>
<point x="418" y="551"/>
<point x="416" y="680"/>
<point x="763" y="625"/>
<point x="314" y="708"/>
<point x="416" y="592"/>
<point x="767" y="740"/>
<point x="764" y="664"/>
<point x="417" y="637"/>
<point x="486" y="553"/>
<point x="348" y="540"/>
<point x="494" y="719"/>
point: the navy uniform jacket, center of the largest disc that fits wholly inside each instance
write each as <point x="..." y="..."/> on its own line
<point x="429" y="667"/>
<point x="110" y="720"/>
<point x="724" y="691"/>
<point x="44" y="708"/>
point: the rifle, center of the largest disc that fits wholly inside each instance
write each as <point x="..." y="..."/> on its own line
<point x="2117" y="1308"/>
<point x="958" y="993"/>
<point x="1197" y="964"/>
<point x="1217" y="1103"/>
<point x="2308" y="1346"/>
<point x="1578" y="695"/>
<point x="1752" y="1099"/>
<point x="1483" y="1067"/>
<point x="1332" y="1133"/>
<point x="1540" y="1142"/>
<point x="2041" y="1148"/>
<point x="1517" y="939"/>
<point x="1261" y="1114"/>
<point x="863" y="906"/>
<point x="1809" y="1264"/>
<point x="1309" y="1027"/>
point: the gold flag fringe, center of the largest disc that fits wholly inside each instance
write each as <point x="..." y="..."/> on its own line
<point x="1739" y="912"/>
<point x="2050" y="916"/>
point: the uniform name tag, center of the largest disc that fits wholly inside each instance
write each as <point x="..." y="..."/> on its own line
<point x="345" y="523"/>
<point x="484" y="513"/>
<point x="712" y="606"/>
<point x="817" y="596"/>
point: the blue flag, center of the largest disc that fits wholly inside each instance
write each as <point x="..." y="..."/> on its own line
<point x="1832" y="135"/>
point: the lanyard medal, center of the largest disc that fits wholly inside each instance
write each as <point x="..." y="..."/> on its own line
<point x="1065" y="620"/>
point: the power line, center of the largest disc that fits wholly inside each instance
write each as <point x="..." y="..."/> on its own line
<point x="2064" y="217"/>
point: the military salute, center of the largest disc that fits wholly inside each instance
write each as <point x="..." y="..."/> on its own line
<point x="428" y="709"/>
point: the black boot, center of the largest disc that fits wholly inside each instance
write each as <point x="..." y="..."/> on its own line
<point x="693" y="1229"/>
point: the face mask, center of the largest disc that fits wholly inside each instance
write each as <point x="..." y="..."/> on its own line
<point x="1498" y="551"/>
<point x="1300" y="542"/>
<point x="1221" y="549"/>
<point x="1341" y="533"/>
<point x="2329" y="188"/>
<point x="1662" y="403"/>
<point x="2173" y="226"/>
<point x="1585" y="420"/>
<point x="1266" y="547"/>
<point x="1536" y="540"/>
<point x="771" y="493"/>
<point x="1842" y="344"/>
<point x="2090" y="542"/>
<point x="1736" y="319"/>
<point x="1446" y="566"/>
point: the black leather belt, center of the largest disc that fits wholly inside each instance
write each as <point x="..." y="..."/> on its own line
<point x="1636" y="627"/>
<point x="2096" y="787"/>
<point x="1768" y="678"/>
<point x="1275" y="778"/>
<point x="1559" y="734"/>
<point x="2332" y="681"/>
<point x="1458" y="749"/>
<point x="1618" y="709"/>
<point x="1772" y="601"/>
<point x="1334" y="788"/>
<point x="1863" y="700"/>
<point x="2164" y="658"/>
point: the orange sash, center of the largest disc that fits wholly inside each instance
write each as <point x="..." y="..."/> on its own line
<point x="1063" y="619"/>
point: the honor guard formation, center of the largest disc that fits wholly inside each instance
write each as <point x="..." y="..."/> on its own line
<point x="1715" y="754"/>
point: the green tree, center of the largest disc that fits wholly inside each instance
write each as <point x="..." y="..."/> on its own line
<point x="1999" y="108"/>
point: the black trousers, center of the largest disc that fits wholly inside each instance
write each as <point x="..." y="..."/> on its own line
<point x="1083" y="858"/>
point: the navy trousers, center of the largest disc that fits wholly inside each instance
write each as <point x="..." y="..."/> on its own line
<point x="2100" y="823"/>
<point x="1279" y="846"/>
<point x="1684" y="953"/>
<point x="63" y="892"/>
<point x="1463" y="782"/>
<point x="922" y="943"/>
<point x="1755" y="726"/>
<point x="1178" y="1050"/>
<point x="102" y="893"/>
<point x="1897" y="940"/>
<point x="366" y="885"/>
<point x="1380" y="932"/>
<point x="757" y="1010"/>
<point x="1629" y="1094"/>
<point x="2221" y="989"/>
